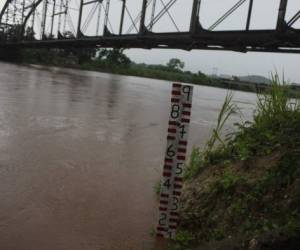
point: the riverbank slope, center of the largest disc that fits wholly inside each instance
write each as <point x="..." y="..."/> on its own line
<point x="244" y="192"/>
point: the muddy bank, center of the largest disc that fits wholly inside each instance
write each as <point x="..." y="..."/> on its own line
<point x="244" y="191"/>
<point x="242" y="207"/>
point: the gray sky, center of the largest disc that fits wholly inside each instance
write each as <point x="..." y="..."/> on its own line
<point x="233" y="63"/>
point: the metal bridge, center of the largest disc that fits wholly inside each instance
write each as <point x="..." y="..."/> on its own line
<point x="167" y="24"/>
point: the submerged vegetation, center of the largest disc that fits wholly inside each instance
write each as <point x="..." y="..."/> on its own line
<point x="243" y="192"/>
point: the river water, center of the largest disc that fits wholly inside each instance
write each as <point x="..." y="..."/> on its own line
<point x="80" y="153"/>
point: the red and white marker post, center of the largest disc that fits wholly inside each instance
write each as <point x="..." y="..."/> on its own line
<point x="171" y="185"/>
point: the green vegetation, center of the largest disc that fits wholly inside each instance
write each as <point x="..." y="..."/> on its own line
<point x="116" y="62"/>
<point x="244" y="191"/>
<point x="276" y="117"/>
<point x="211" y="155"/>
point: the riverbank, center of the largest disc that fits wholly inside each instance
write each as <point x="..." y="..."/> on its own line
<point x="152" y="72"/>
<point x="140" y="70"/>
<point x="115" y="62"/>
<point x="244" y="193"/>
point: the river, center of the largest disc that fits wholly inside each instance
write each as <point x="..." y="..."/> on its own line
<point x="81" y="152"/>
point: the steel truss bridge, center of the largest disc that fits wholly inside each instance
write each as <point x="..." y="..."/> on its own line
<point x="146" y="24"/>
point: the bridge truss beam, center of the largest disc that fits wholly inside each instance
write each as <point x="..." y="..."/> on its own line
<point x="17" y="31"/>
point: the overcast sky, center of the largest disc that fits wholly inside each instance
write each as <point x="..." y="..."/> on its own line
<point x="232" y="63"/>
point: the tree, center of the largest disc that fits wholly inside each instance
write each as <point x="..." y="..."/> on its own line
<point x="200" y="74"/>
<point x="114" y="56"/>
<point x="175" y="64"/>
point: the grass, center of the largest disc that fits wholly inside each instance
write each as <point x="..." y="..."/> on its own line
<point x="227" y="183"/>
<point x="276" y="116"/>
<point x="247" y="185"/>
<point x="215" y="145"/>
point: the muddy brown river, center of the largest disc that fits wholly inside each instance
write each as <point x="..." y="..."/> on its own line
<point x="80" y="153"/>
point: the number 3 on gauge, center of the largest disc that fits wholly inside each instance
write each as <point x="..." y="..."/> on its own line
<point x="175" y="203"/>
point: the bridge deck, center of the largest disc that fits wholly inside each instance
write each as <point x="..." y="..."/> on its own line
<point x="261" y="40"/>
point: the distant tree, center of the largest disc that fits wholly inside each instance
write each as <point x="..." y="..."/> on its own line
<point x="200" y="74"/>
<point x="84" y="54"/>
<point x="114" y="56"/>
<point x="188" y="72"/>
<point x="175" y="64"/>
<point x="235" y="78"/>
